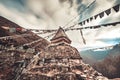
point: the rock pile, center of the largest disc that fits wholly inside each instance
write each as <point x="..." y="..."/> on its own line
<point x="60" y="61"/>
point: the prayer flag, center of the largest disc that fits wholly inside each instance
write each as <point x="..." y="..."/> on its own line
<point x="108" y="11"/>
<point x="116" y="8"/>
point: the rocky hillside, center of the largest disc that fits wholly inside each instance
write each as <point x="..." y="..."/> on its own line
<point x="15" y="53"/>
<point x="115" y="51"/>
<point x="109" y="67"/>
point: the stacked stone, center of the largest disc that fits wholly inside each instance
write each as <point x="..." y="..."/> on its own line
<point x="60" y="61"/>
<point x="58" y="67"/>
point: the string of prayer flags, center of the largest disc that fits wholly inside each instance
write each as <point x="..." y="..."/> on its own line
<point x="15" y="36"/>
<point x="97" y="26"/>
<point x="101" y="15"/>
<point x="12" y="30"/>
<point x="17" y="29"/>
<point x="114" y="24"/>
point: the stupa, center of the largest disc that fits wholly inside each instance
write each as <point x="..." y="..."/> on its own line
<point x="60" y="61"/>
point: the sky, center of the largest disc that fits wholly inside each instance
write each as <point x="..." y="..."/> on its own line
<point x="50" y="14"/>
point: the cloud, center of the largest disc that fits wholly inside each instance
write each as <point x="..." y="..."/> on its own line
<point x="42" y="13"/>
<point x="50" y="14"/>
<point x="54" y="12"/>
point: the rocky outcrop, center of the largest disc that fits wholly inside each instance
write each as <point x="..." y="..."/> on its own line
<point x="12" y="58"/>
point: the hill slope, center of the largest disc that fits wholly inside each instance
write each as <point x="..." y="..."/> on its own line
<point x="9" y="58"/>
